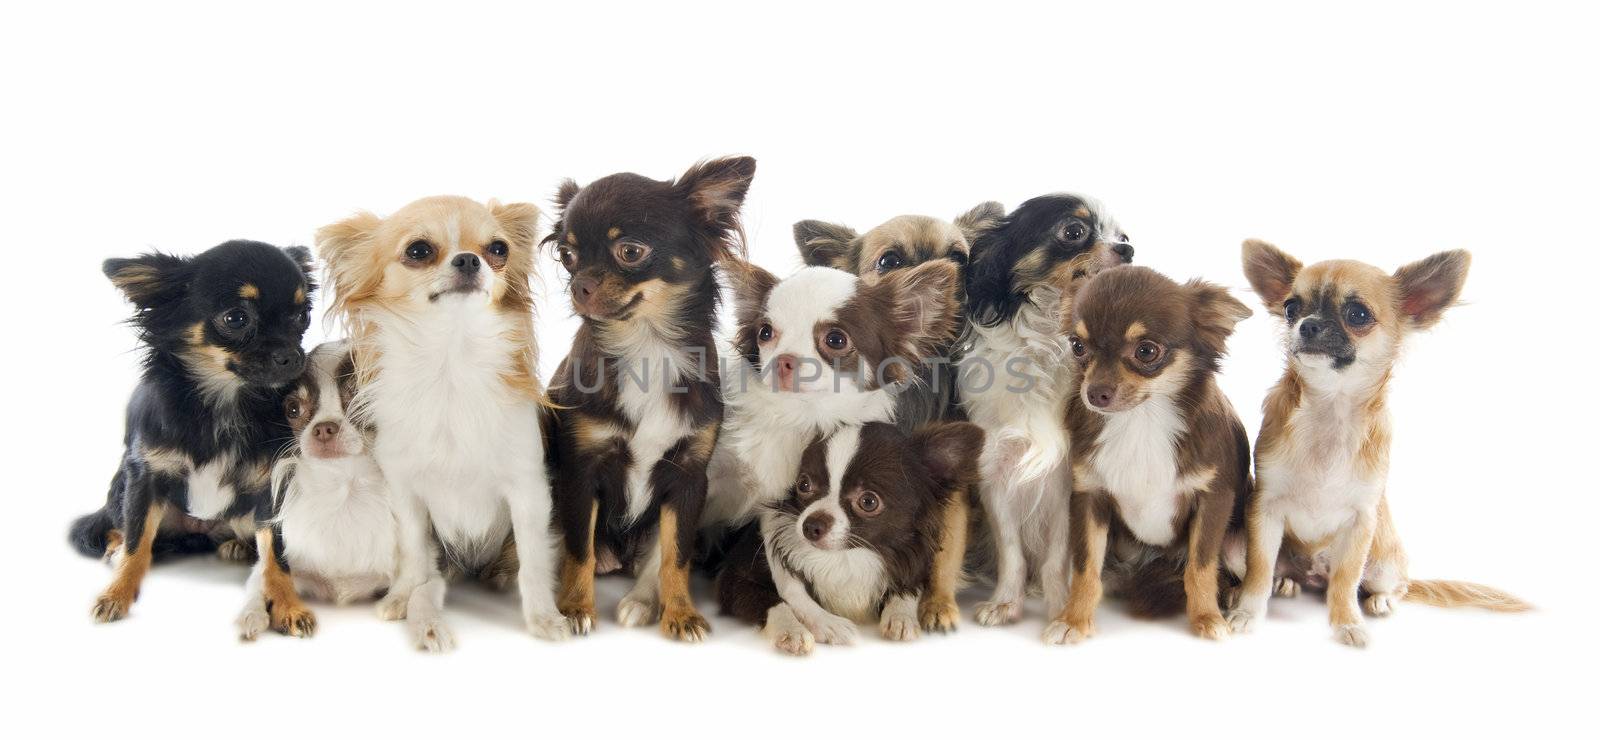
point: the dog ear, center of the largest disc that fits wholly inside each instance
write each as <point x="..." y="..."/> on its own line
<point x="520" y="220"/>
<point x="1216" y="312"/>
<point x="340" y="246"/>
<point x="981" y="218"/>
<point x="825" y="245"/>
<point x="1430" y="286"/>
<point x="1271" y="272"/>
<point x="751" y="286"/>
<point x="951" y="451"/>
<point x="565" y="192"/>
<point x="149" y="280"/>
<point x="715" y="190"/>
<point x="924" y="310"/>
<point x="302" y="259"/>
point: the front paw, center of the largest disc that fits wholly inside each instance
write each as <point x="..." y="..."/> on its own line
<point x="251" y="623"/>
<point x="832" y="629"/>
<point x="1209" y="626"/>
<point x="635" y="612"/>
<point x="294" y="620"/>
<point x="431" y="634"/>
<point x="997" y="613"/>
<point x="1380" y="605"/>
<point x="110" y="607"/>
<point x="553" y="626"/>
<point x="685" y="625"/>
<point x="581" y="620"/>
<point x="392" y="607"/>
<point x="1353" y="635"/>
<point x="792" y="639"/>
<point x="1059" y="632"/>
<point x="939" y="614"/>
<point x="1286" y="588"/>
<point x="899" y="627"/>
<point x="1241" y="621"/>
<point x="236" y="551"/>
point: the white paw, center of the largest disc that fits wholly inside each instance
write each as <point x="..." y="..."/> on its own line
<point x="1380" y="605"/>
<point x="635" y="612"/>
<point x="794" y="640"/>
<point x="997" y="613"/>
<point x="1061" y="633"/>
<point x="431" y="634"/>
<point x="550" y="626"/>
<point x="899" y="627"/>
<point x="1286" y="588"/>
<point x="1353" y="635"/>
<point x="1241" y="621"/>
<point x="580" y="623"/>
<point x="833" y="629"/>
<point x="251" y="623"/>
<point x="392" y="606"/>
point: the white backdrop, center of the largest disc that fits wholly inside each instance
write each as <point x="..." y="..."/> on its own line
<point x="1363" y="131"/>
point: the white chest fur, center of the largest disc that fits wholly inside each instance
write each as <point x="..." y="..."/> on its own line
<point x="850" y="583"/>
<point x="338" y="526"/>
<point x="647" y="380"/>
<point x="1316" y="478"/>
<point x="210" y="493"/>
<point x="1012" y="378"/>
<point x="1137" y="465"/>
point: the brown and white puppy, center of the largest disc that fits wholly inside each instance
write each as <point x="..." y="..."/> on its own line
<point x="638" y="400"/>
<point x="1322" y="459"/>
<point x="1160" y="461"/>
<point x="859" y="529"/>
<point x="439" y="306"/>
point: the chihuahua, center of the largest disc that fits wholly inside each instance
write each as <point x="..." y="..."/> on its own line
<point x="1014" y="380"/>
<point x="1160" y="462"/>
<point x="440" y="313"/>
<point x="1322" y="459"/>
<point x="332" y="520"/>
<point x="818" y="351"/>
<point x="859" y="529"/>
<point x="638" y="400"/>
<point x="222" y="333"/>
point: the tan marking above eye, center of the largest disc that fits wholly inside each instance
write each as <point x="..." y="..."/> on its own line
<point x="1082" y="212"/>
<point x="613" y="232"/>
<point x="1135" y="330"/>
<point x="300" y="294"/>
<point x="1082" y="331"/>
<point x="249" y="291"/>
<point x="572" y="239"/>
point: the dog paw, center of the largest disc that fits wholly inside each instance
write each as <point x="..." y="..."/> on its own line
<point x="1231" y="597"/>
<point x="431" y="634"/>
<point x="793" y="640"/>
<point x="939" y="614"/>
<point x="581" y="620"/>
<point x="635" y="612"/>
<point x="1286" y="588"/>
<point x="236" y="551"/>
<point x="1210" y="627"/>
<point x="1061" y="633"/>
<point x="553" y="626"/>
<point x="113" y="551"/>
<point x="899" y="627"/>
<point x="685" y="625"/>
<point x="392" y="606"/>
<point x="251" y="623"/>
<point x="294" y="620"/>
<point x="832" y="629"/>
<point x="110" y="607"/>
<point x="997" y="613"/>
<point x="1353" y="635"/>
<point x="1380" y="605"/>
<point x="1241" y="621"/>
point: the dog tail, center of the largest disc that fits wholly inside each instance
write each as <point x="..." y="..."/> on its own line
<point x="89" y="532"/>
<point x="1455" y="594"/>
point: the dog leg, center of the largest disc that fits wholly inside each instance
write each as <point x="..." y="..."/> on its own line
<point x="425" y="618"/>
<point x="939" y="611"/>
<point x="577" y="579"/>
<point x="787" y="633"/>
<point x="679" y="619"/>
<point x="1054" y="567"/>
<point x="642" y="604"/>
<point x="1349" y="555"/>
<point x="898" y="621"/>
<point x="1264" y="537"/>
<point x="253" y="620"/>
<point x="418" y="561"/>
<point x="1385" y="576"/>
<point x="134" y="561"/>
<point x="1201" y="571"/>
<point x="286" y="613"/>
<point x="530" y="505"/>
<point x="1090" y="529"/>
<point x="1005" y="605"/>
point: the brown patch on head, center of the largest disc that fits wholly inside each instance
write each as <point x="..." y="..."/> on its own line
<point x="899" y="321"/>
<point x="751" y="286"/>
<point x="249" y="291"/>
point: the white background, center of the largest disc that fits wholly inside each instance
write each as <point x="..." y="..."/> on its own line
<point x="1361" y="131"/>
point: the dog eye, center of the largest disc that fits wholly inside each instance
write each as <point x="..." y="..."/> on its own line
<point x="1356" y="314"/>
<point x="764" y="334"/>
<point x="1078" y="350"/>
<point x="836" y="340"/>
<point x="1147" y="352"/>
<point x="291" y="408"/>
<point x="804" y="484"/>
<point x="868" y="504"/>
<point x="890" y="260"/>
<point x="498" y="248"/>
<point x="236" y="319"/>
<point x="419" y="251"/>
<point x="1291" y="309"/>
<point x="630" y="253"/>
<point x="568" y="258"/>
<point x="1075" y="231"/>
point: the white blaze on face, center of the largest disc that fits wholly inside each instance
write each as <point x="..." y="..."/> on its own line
<point x="840" y="450"/>
<point x="794" y="309"/>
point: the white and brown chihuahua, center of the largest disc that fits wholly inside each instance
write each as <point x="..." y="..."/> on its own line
<point x="1322" y="459"/>
<point x="438" y="303"/>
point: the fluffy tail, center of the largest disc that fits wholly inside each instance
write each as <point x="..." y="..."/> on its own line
<point x="88" y="533"/>
<point x="1461" y="593"/>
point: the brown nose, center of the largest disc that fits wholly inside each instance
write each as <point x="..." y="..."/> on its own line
<point x="817" y="525"/>
<point x="583" y="290"/>
<point x="325" y="431"/>
<point x="1101" y="395"/>
<point x="785" y="365"/>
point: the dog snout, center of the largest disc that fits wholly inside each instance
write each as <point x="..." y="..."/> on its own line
<point x="325" y="431"/>
<point x="1123" y="250"/>
<point x="786" y="367"/>
<point x="1101" y="395"/>
<point x="466" y="263"/>
<point x="1311" y="328"/>
<point x="817" y="526"/>
<point x="584" y="288"/>
<point x="288" y="359"/>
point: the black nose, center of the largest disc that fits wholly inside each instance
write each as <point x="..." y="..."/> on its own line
<point x="325" y="431"/>
<point x="466" y="262"/>
<point x="1101" y="395"/>
<point x="1310" y="328"/>
<point x="817" y="525"/>
<point x="287" y="358"/>
<point x="1123" y="250"/>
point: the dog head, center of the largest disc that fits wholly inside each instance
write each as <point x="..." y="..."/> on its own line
<point x="1136" y="334"/>
<point x="318" y="408"/>
<point x="639" y="249"/>
<point x="899" y="243"/>
<point x="827" y="330"/>
<point x="234" y="315"/>
<point x="871" y="486"/>
<point x="1050" y="241"/>
<point x="1346" y="318"/>
<point x="435" y="254"/>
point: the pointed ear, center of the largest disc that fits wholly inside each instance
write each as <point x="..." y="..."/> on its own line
<point x="1216" y="312"/>
<point x="1430" y="286"/>
<point x="302" y="258"/>
<point x="951" y="451"/>
<point x="982" y="217"/>
<point x="923" y="306"/>
<point x="1271" y="272"/>
<point x="520" y="220"/>
<point x="825" y="245"/>
<point x="149" y="280"/>
<point x="715" y="190"/>
<point x="565" y="192"/>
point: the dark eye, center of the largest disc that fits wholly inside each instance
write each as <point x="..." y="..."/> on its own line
<point x="236" y="319"/>
<point x="569" y="259"/>
<point x="498" y="248"/>
<point x="868" y="504"/>
<point x="890" y="260"/>
<point x="419" y="251"/>
<point x="1291" y="309"/>
<point x="305" y="317"/>
<point x="804" y="484"/>
<point x="1078" y="350"/>
<point x="1356" y="314"/>
<point x="1147" y="352"/>
<point x="1075" y="231"/>
<point x="764" y="334"/>
<point x="836" y="340"/>
<point x="630" y="253"/>
<point x="291" y="408"/>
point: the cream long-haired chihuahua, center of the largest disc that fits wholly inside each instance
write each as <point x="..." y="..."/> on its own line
<point x="439" y="308"/>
